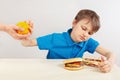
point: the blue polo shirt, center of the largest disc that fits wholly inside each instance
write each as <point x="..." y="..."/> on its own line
<point x="61" y="46"/>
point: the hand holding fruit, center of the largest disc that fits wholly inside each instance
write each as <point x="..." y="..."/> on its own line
<point x="27" y="27"/>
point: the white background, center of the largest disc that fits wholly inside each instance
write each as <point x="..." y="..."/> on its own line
<point x="56" y="16"/>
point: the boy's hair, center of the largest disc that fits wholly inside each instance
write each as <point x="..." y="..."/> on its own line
<point x="91" y="16"/>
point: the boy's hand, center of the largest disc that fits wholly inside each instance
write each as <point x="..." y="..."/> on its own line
<point x="105" y="65"/>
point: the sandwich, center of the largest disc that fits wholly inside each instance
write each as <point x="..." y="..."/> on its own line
<point x="91" y="62"/>
<point x="73" y="64"/>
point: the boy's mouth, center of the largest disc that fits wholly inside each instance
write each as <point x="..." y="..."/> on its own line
<point x="82" y="38"/>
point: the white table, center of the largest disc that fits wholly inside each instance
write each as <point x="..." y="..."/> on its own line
<point x="44" y="69"/>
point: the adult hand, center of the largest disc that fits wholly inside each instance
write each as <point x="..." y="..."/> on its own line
<point x="12" y="30"/>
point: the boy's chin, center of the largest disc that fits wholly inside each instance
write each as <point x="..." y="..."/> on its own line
<point x="79" y="41"/>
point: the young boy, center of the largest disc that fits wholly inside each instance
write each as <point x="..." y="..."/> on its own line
<point x="75" y="41"/>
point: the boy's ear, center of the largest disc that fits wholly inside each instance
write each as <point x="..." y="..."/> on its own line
<point x="74" y="22"/>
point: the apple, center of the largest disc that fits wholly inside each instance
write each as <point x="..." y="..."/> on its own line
<point x="25" y="26"/>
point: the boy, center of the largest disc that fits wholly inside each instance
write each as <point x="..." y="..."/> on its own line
<point x="75" y="41"/>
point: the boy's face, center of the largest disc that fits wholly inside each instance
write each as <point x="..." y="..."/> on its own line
<point x="81" y="31"/>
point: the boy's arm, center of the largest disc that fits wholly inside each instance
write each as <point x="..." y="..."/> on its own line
<point x="29" y="42"/>
<point x="109" y="55"/>
<point x="106" y="64"/>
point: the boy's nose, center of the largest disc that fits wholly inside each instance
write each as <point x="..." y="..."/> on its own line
<point x="85" y="34"/>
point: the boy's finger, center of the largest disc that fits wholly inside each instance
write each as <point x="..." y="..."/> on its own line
<point x="102" y="63"/>
<point x="103" y="59"/>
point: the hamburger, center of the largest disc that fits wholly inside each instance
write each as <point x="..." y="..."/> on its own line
<point x="91" y="62"/>
<point x="73" y="64"/>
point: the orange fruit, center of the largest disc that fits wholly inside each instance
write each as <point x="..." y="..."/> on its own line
<point x="25" y="26"/>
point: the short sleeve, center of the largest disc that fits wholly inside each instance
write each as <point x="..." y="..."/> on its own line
<point x="92" y="45"/>
<point x="45" y="42"/>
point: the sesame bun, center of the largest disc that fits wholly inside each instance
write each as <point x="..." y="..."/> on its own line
<point x="72" y="60"/>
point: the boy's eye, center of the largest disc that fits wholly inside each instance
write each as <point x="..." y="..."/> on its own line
<point x="90" y="33"/>
<point x="84" y="28"/>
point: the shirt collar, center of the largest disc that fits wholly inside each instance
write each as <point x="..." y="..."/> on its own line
<point x="70" y="41"/>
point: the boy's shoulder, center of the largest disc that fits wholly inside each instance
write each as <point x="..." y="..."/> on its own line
<point x="59" y="35"/>
<point x="92" y="42"/>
